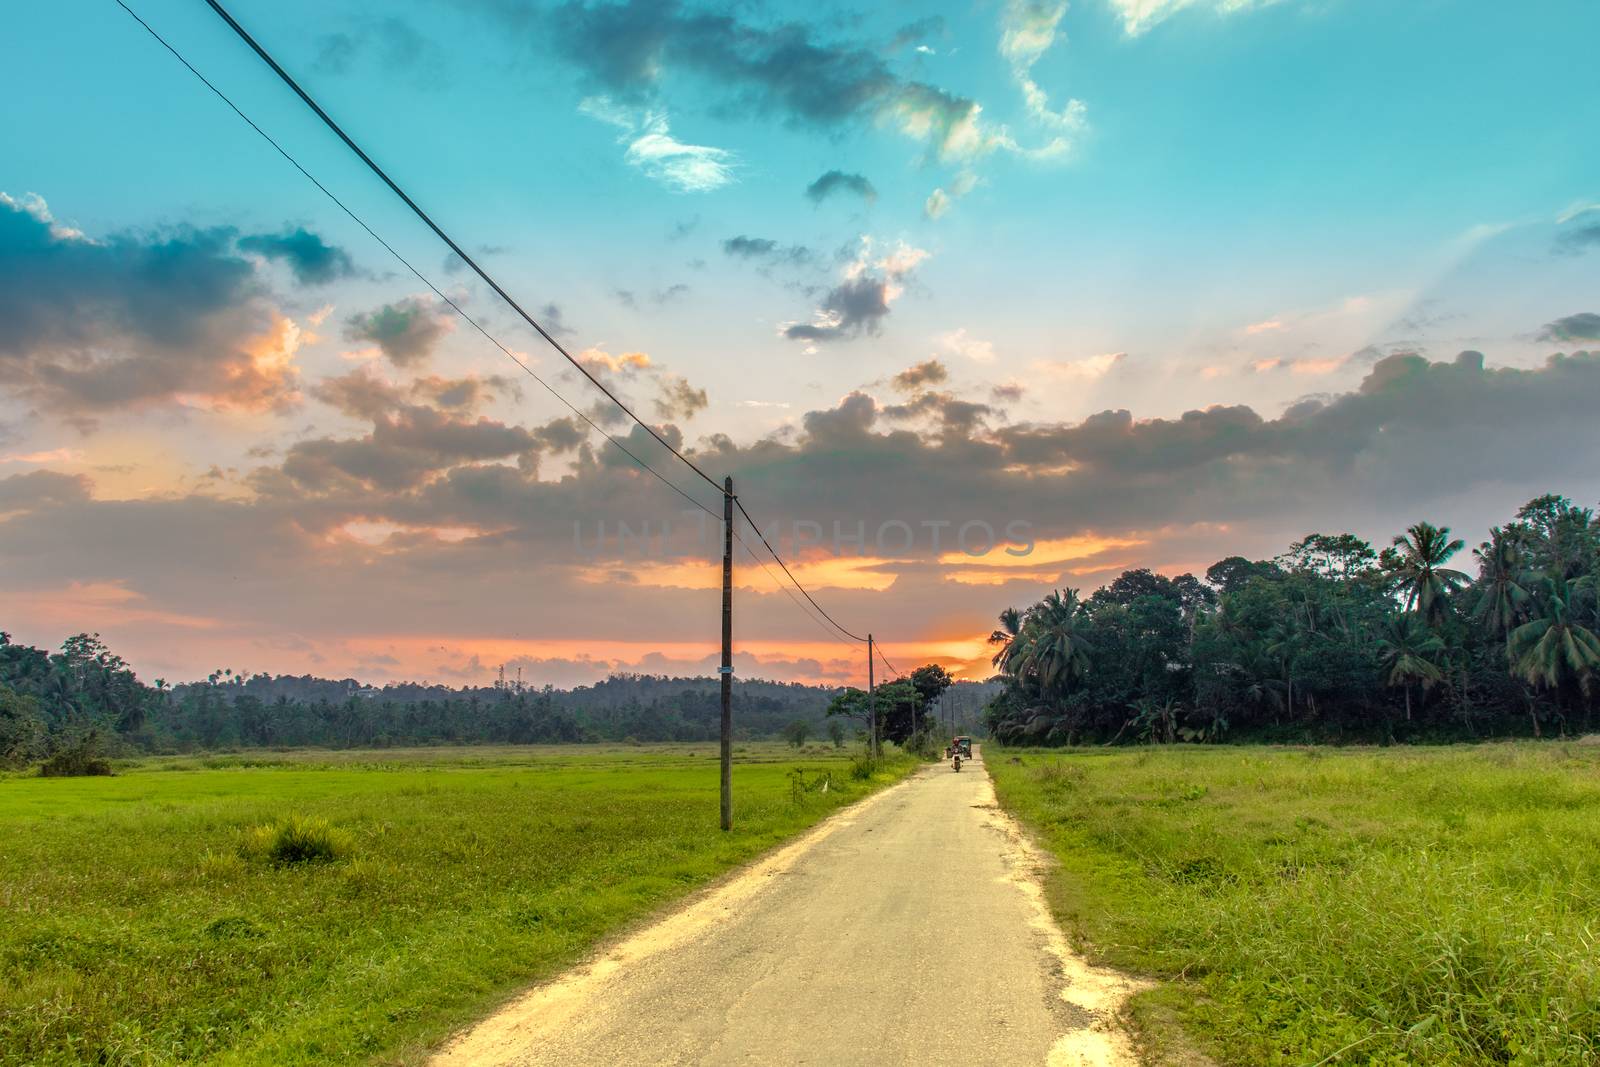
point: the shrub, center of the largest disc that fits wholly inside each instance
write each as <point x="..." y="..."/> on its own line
<point x="836" y="733"/>
<point x="77" y="759"/>
<point x="295" y="840"/>
<point x="863" y="766"/>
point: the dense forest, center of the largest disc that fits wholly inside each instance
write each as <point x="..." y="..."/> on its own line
<point x="1333" y="640"/>
<point x="87" y="700"/>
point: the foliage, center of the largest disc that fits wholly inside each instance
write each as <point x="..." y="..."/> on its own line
<point x="898" y="706"/>
<point x="797" y="732"/>
<point x="77" y="758"/>
<point x="22" y="729"/>
<point x="295" y="839"/>
<point x="1417" y="905"/>
<point x="1329" y="641"/>
<point x="47" y="700"/>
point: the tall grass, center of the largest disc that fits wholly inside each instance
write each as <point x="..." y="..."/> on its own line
<point x="1385" y="906"/>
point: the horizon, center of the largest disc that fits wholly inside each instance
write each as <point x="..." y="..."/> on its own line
<point x="1135" y="284"/>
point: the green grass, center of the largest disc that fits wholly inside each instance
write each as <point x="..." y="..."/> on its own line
<point x="1383" y="906"/>
<point x="348" y="907"/>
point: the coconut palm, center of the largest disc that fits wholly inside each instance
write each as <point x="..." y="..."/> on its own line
<point x="1006" y="637"/>
<point x="1406" y="649"/>
<point x="1555" y="648"/>
<point x="1057" y="646"/>
<point x="1417" y="563"/>
<point x="1502" y="596"/>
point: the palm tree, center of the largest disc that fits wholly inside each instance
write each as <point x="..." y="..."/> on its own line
<point x="1405" y="649"/>
<point x="1006" y="637"/>
<point x="1501" y="594"/>
<point x="1554" y="648"/>
<point x="1057" y="647"/>
<point x="1417" y="562"/>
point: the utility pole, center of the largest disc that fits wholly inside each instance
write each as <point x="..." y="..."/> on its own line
<point x="872" y="702"/>
<point x="726" y="670"/>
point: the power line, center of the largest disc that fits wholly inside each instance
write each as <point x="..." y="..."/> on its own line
<point x="892" y="668"/>
<point x="244" y="35"/>
<point x="740" y="505"/>
<point x="407" y="263"/>
<point x="779" y="584"/>
<point x="498" y="289"/>
<point x="327" y="120"/>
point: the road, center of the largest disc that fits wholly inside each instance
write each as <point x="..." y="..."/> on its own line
<point x="907" y="929"/>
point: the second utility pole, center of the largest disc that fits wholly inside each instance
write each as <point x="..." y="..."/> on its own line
<point x="726" y="670"/>
<point x="872" y="703"/>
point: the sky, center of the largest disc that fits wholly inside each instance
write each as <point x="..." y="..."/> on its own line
<point x="970" y="301"/>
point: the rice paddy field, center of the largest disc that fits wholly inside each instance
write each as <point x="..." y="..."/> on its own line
<point x="307" y="907"/>
<point x="1322" y="906"/>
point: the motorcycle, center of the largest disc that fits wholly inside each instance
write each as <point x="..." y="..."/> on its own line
<point x="955" y="761"/>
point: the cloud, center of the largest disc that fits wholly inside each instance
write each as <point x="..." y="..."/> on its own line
<point x="599" y="360"/>
<point x="38" y="489"/>
<point x="954" y="416"/>
<point x="836" y="182"/>
<point x="766" y="250"/>
<point x="941" y="200"/>
<point x="406" y="447"/>
<point x="687" y="168"/>
<point x="1584" y="326"/>
<point x="1139" y="16"/>
<point x="1088" y="369"/>
<point x="553" y="320"/>
<point x="396" y="45"/>
<point x="860" y="302"/>
<point x="313" y="261"/>
<point x="364" y="395"/>
<point x="1028" y="31"/>
<point x="627" y="50"/>
<point x="957" y="342"/>
<point x="1455" y="441"/>
<point x="130" y="319"/>
<point x="1580" y="230"/>
<point x="928" y="372"/>
<point x="677" y="400"/>
<point x="918" y="31"/>
<point x="406" y="331"/>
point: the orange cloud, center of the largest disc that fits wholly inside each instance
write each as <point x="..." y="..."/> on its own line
<point x="97" y="605"/>
<point x="266" y="379"/>
<point x="833" y="572"/>
<point x="1045" y="553"/>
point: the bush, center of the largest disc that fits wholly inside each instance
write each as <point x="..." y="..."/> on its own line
<point x="77" y="759"/>
<point x="797" y="732"/>
<point x="295" y="840"/>
<point x="863" y="766"/>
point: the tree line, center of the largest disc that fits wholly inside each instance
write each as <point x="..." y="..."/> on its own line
<point x="1332" y="640"/>
<point x="85" y="698"/>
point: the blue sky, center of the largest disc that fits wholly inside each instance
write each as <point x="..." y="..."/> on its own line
<point x="1056" y="210"/>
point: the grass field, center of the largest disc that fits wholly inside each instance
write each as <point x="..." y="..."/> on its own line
<point x="1384" y="906"/>
<point x="139" y="924"/>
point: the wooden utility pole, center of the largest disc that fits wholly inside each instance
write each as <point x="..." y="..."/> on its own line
<point x="726" y="670"/>
<point x="872" y="703"/>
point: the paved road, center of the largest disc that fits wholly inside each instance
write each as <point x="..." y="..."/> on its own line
<point x="908" y="929"/>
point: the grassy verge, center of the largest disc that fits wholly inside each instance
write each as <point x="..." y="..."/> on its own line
<point x="342" y="907"/>
<point x="1390" y="906"/>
